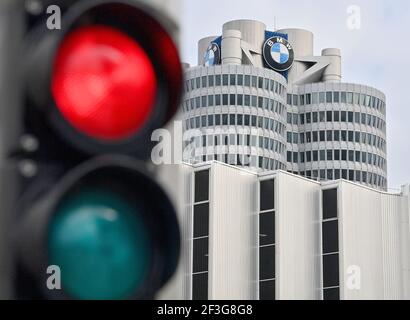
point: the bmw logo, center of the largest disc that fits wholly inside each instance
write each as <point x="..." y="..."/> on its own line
<point x="212" y="55"/>
<point x="278" y="53"/>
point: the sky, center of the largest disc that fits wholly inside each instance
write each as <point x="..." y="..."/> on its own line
<point x="377" y="54"/>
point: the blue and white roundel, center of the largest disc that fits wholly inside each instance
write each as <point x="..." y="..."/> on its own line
<point x="280" y="53"/>
<point x="212" y="55"/>
<point x="209" y="59"/>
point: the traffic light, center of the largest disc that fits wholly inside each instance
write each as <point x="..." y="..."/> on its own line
<point x="78" y="141"/>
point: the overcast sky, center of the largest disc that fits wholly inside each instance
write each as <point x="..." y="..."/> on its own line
<point x="377" y="55"/>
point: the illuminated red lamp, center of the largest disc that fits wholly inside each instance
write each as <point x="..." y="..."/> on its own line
<point x="103" y="83"/>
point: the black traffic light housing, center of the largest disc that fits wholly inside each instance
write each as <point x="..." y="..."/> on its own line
<point x="45" y="160"/>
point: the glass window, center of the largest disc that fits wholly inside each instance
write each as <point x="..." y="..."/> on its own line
<point x="321" y="97"/>
<point x="356" y="98"/>
<point x="267" y="262"/>
<point x="218" y="80"/>
<point x="225" y="79"/>
<point x="337" y="155"/>
<point x="308" y="99"/>
<point x="232" y="119"/>
<point x="322" y="116"/>
<point x="224" y="119"/>
<point x="247" y="80"/>
<point x="344" y="97"/>
<point x="232" y="80"/>
<point x="240" y="79"/>
<point x="336" y="116"/>
<point x="200" y="286"/>
<point x="267" y="195"/>
<point x="315" y="98"/>
<point x="329" y="135"/>
<point x="260" y="83"/>
<point x="336" y="97"/>
<point x="330" y="239"/>
<point x="211" y="101"/>
<point x="329" y="203"/>
<point x="267" y="290"/>
<point x="308" y="118"/>
<point x="350" y="97"/>
<point x="201" y="220"/>
<point x="315" y="117"/>
<point x="267" y="228"/>
<point x="254" y="81"/>
<point x="200" y="255"/>
<point x="331" y="294"/>
<point x="254" y="98"/>
<point x="218" y="100"/>
<point x="240" y="100"/>
<point x="329" y="97"/>
<point x="218" y="119"/>
<point x="350" y="116"/>
<point x="315" y="155"/>
<point x="232" y="100"/>
<point x="322" y="154"/>
<point x="329" y="117"/>
<point x="344" y="155"/>
<point x="329" y="156"/>
<point x="315" y="136"/>
<point x="322" y="135"/>
<point x="211" y="80"/>
<point x="211" y="120"/>
<point x="225" y="99"/>
<point x="331" y="270"/>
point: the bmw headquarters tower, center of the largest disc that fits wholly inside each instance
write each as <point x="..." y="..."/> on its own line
<point x="282" y="192"/>
<point x="262" y="100"/>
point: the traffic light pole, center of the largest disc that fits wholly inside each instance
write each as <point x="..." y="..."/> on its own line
<point x="11" y="38"/>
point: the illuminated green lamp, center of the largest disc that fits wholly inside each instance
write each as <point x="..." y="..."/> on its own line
<point x="100" y="242"/>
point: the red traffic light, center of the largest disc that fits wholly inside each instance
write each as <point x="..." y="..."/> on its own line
<point x="103" y="82"/>
<point x="108" y="80"/>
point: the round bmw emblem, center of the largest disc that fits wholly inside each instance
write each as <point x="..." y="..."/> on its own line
<point x="212" y="55"/>
<point x="278" y="53"/>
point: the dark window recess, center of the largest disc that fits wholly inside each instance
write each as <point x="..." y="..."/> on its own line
<point x="331" y="294"/>
<point x="267" y="263"/>
<point x="200" y="255"/>
<point x="266" y="228"/>
<point x="200" y="286"/>
<point x="267" y="290"/>
<point x="330" y="238"/>
<point x="201" y="220"/>
<point x="329" y="204"/>
<point x="267" y="195"/>
<point x="331" y="270"/>
<point x="202" y="186"/>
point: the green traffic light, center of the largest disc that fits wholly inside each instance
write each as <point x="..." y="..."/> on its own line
<point x="101" y="245"/>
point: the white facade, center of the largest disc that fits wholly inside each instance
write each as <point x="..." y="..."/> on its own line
<point x="371" y="251"/>
<point x="304" y="120"/>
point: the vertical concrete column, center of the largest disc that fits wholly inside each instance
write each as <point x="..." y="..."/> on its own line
<point x="231" y="47"/>
<point x="333" y="73"/>
<point x="253" y="36"/>
<point x="302" y="42"/>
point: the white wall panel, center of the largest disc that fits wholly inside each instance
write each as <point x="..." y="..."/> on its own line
<point x="177" y="182"/>
<point x="372" y="239"/>
<point x="297" y="238"/>
<point x="232" y="233"/>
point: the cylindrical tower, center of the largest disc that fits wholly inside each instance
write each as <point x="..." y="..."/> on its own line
<point x="235" y="114"/>
<point x="337" y="131"/>
<point x="304" y="119"/>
